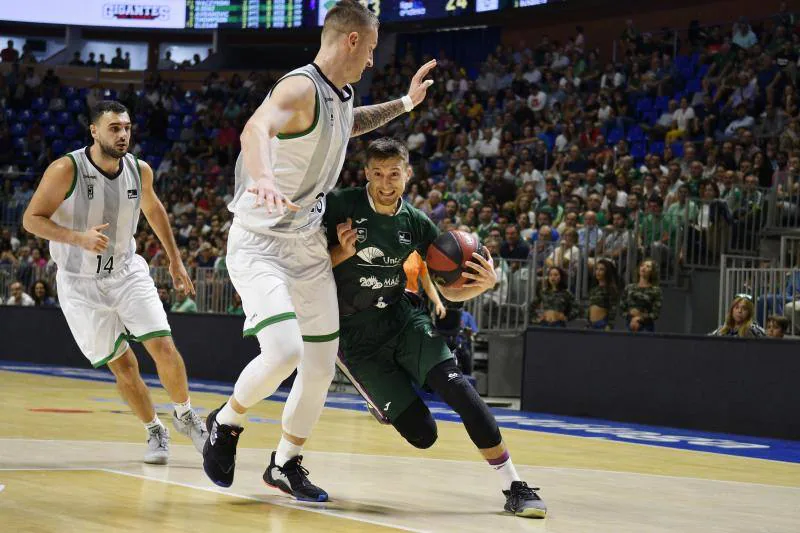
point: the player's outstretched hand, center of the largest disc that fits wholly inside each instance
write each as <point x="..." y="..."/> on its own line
<point x="484" y="276"/>
<point x="419" y="85"/>
<point x="267" y="194"/>
<point x="180" y="278"/>
<point x="93" y="240"/>
<point x="347" y="237"/>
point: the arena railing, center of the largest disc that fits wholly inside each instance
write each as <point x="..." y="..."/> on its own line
<point x="773" y="290"/>
<point x="783" y="203"/>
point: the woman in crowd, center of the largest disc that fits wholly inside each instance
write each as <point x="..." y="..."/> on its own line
<point x="41" y="295"/>
<point x="641" y="302"/>
<point x="557" y="304"/>
<point x="739" y="322"/>
<point x="603" y="297"/>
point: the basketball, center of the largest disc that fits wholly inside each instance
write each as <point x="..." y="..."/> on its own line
<point x="447" y="256"/>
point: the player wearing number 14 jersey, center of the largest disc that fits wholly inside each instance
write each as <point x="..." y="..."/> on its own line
<point x="88" y="206"/>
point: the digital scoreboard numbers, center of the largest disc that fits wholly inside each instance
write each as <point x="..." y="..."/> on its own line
<point x="252" y="14"/>
<point x="401" y="10"/>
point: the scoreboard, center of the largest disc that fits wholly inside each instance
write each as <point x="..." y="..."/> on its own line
<point x="403" y="10"/>
<point x="252" y="14"/>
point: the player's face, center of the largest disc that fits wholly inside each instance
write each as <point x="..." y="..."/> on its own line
<point x="112" y="132"/>
<point x="361" y="53"/>
<point x="387" y="179"/>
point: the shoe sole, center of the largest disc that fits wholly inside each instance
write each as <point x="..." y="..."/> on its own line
<point x="156" y="461"/>
<point x="322" y="498"/>
<point x="532" y="512"/>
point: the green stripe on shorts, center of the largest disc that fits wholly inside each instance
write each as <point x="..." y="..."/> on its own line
<point x="268" y="321"/>
<point x="321" y="338"/>
<point x="122" y="337"/>
<point x="151" y="335"/>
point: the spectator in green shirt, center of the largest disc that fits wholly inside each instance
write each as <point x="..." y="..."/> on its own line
<point x="183" y="303"/>
<point x="236" y="305"/>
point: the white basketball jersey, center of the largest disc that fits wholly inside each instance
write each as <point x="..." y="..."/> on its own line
<point x="94" y="199"/>
<point x="306" y="165"/>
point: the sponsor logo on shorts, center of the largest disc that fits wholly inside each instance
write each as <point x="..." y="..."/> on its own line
<point x="404" y="237"/>
<point x="373" y="256"/>
<point x="375" y="284"/>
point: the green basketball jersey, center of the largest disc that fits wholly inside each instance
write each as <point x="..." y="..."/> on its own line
<point x="374" y="278"/>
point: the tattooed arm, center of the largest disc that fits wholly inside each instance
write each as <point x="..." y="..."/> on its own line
<point x="369" y="117"/>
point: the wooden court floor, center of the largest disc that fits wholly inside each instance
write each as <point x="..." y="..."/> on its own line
<point x="70" y="460"/>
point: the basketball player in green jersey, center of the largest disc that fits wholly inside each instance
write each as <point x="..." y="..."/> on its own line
<point x="387" y="344"/>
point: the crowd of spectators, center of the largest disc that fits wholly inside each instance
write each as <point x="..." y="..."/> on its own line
<point x="542" y="151"/>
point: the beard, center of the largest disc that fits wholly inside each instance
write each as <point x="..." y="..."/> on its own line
<point x="111" y="150"/>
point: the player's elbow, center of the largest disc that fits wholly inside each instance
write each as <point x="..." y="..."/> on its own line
<point x="28" y="221"/>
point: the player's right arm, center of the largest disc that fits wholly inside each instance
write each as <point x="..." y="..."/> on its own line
<point x="56" y="184"/>
<point x="289" y="109"/>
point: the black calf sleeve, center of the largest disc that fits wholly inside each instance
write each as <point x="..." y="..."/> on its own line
<point x="416" y="425"/>
<point x="449" y="383"/>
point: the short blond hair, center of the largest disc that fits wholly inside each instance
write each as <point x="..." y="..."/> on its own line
<point x="348" y="16"/>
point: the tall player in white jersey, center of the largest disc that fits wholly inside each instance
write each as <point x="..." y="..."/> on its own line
<point x="293" y="149"/>
<point x="88" y="206"/>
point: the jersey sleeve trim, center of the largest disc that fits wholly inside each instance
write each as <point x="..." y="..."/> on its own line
<point x="286" y="136"/>
<point x="74" y="176"/>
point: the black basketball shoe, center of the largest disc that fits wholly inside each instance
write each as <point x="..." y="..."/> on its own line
<point x="219" y="451"/>
<point x="522" y="500"/>
<point x="292" y="479"/>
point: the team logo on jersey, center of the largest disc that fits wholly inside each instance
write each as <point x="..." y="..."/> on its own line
<point x="90" y="191"/>
<point x="319" y="207"/>
<point x="132" y="193"/>
<point x="361" y="236"/>
<point x="380" y="304"/>
<point x="373" y="256"/>
<point x="124" y="10"/>
<point x="404" y="237"/>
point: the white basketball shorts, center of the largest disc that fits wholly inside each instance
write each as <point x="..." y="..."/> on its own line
<point x="104" y="313"/>
<point x="284" y="278"/>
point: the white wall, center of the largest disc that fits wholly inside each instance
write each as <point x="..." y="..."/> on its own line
<point x="181" y="52"/>
<point x="138" y="52"/>
<point x="53" y="45"/>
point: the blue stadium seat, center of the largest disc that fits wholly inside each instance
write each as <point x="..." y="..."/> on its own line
<point x="110" y="94"/>
<point x="11" y="115"/>
<point x="19" y="144"/>
<point x="657" y="147"/>
<point x="173" y="134"/>
<point x="25" y="116"/>
<point x="59" y="147"/>
<point x="69" y="92"/>
<point x="188" y="120"/>
<point x="45" y="118"/>
<point x="75" y="106"/>
<point x="615" y="135"/>
<point x="52" y="131"/>
<point x="677" y="149"/>
<point x="650" y="117"/>
<point x="187" y="109"/>
<point x="702" y="70"/>
<point x="644" y="105"/>
<point x="661" y="104"/>
<point x="76" y="145"/>
<point x="39" y="104"/>
<point x="635" y="134"/>
<point x="638" y="151"/>
<point x="83" y="93"/>
<point x="174" y="121"/>
<point x="63" y="118"/>
<point x="19" y="129"/>
<point x="70" y="132"/>
<point x="693" y="86"/>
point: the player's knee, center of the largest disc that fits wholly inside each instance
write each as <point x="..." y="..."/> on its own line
<point x="284" y="351"/>
<point x="417" y="426"/>
<point x="162" y="348"/>
<point x="125" y="368"/>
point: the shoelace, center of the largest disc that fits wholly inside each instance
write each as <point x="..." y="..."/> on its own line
<point x="296" y="468"/>
<point x="160" y="435"/>
<point x="196" y="422"/>
<point x="525" y="491"/>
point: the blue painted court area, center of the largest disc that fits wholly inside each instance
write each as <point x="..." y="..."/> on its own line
<point x="743" y="446"/>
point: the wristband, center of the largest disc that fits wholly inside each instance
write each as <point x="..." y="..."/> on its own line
<point x="408" y="105"/>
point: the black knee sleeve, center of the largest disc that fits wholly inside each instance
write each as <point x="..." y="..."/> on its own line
<point x="416" y="425"/>
<point x="449" y="383"/>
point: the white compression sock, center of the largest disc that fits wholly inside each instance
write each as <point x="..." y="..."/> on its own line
<point x="505" y="468"/>
<point x="229" y="417"/>
<point x="155" y="422"/>
<point x="286" y="451"/>
<point x="183" y="408"/>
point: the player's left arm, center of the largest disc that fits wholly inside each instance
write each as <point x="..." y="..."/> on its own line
<point x="369" y="117"/>
<point x="157" y="217"/>
<point x="483" y="279"/>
